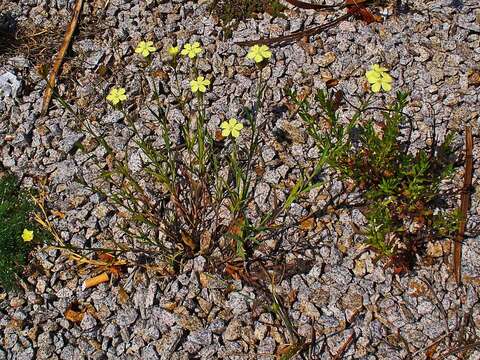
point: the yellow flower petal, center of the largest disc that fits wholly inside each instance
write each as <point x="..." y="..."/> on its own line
<point x="386" y="86"/>
<point x="226" y="132"/>
<point x="372" y="76"/>
<point x="386" y="77"/>
<point x="376" y="87"/>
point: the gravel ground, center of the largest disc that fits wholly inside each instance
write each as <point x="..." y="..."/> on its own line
<point x="433" y="50"/>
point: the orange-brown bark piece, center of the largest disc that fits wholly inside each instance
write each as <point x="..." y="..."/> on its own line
<point x="47" y="96"/>
<point x="464" y="205"/>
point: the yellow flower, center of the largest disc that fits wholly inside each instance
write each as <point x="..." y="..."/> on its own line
<point x="231" y="127"/>
<point x="259" y="53"/>
<point x="192" y="50"/>
<point x="27" y="235"/>
<point x="145" y="48"/>
<point x="116" y="95"/>
<point x="379" y="78"/>
<point x="173" y="50"/>
<point x="200" y="84"/>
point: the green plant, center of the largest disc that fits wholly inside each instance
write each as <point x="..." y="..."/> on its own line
<point x="401" y="189"/>
<point x="15" y="226"/>
<point x="232" y="12"/>
<point x="194" y="190"/>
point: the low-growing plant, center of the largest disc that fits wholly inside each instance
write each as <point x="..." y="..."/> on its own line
<point x="232" y="12"/>
<point x="400" y="188"/>
<point x="194" y="191"/>
<point x="18" y="233"/>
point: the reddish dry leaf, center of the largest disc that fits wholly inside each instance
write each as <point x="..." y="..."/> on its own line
<point x="218" y="135"/>
<point x="187" y="240"/>
<point x="116" y="271"/>
<point x="234" y="271"/>
<point x="73" y="316"/>
<point x="307" y="224"/>
<point x="331" y="83"/>
<point x="362" y="13"/>
<point x="74" y="313"/>
<point x="58" y="214"/>
<point x="474" y="78"/>
<point x="431" y="351"/>
<point x="106" y="257"/>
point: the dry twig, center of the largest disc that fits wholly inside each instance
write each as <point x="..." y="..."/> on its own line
<point x="47" y="96"/>
<point x="464" y="206"/>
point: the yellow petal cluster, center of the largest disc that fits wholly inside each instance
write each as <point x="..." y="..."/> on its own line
<point x="231" y="127"/>
<point x="199" y="84"/>
<point x="116" y="95"/>
<point x="379" y="78"/>
<point x="145" y="48"/>
<point x="192" y="50"/>
<point x="258" y="53"/>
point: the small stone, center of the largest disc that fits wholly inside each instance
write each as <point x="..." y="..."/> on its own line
<point x="308" y="309"/>
<point x="9" y="85"/>
<point x="260" y="331"/>
<point x="434" y="249"/>
<point x="110" y="331"/>
<point x="201" y="337"/>
<point x="327" y="59"/>
<point x="26" y="354"/>
<point x="88" y="322"/>
<point x="41" y="286"/>
<point x="359" y="269"/>
<point x="232" y="332"/>
<point x="126" y="317"/>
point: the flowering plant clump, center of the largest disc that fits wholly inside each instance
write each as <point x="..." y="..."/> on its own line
<point x="27" y="235"/>
<point x="258" y="53"/>
<point x="200" y="84"/>
<point x="18" y="230"/>
<point x="116" y="95"/>
<point x="231" y="127"/>
<point x="173" y="51"/>
<point x="192" y="50"/>
<point x="145" y="48"/>
<point x="379" y="78"/>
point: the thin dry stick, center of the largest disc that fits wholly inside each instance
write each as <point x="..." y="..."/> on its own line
<point x="464" y="206"/>
<point x="297" y="35"/>
<point x="304" y="5"/>
<point x="344" y="347"/>
<point x="47" y="96"/>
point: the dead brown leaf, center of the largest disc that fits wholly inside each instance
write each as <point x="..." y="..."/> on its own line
<point x="58" y="214"/>
<point x="474" y="78"/>
<point x="307" y="224"/>
<point x="122" y="296"/>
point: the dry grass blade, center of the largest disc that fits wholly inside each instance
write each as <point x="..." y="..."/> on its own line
<point x="464" y="206"/>
<point x="461" y="349"/>
<point x="47" y="97"/>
